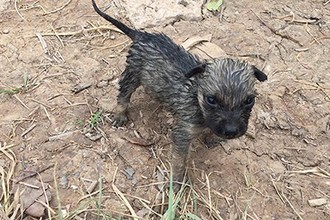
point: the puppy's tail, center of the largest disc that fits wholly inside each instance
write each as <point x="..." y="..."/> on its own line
<point x="128" y="31"/>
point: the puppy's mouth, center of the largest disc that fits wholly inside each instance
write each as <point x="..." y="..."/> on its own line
<point x="229" y="131"/>
<point x="231" y="136"/>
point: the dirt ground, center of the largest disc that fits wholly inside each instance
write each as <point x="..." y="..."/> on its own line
<point x="277" y="171"/>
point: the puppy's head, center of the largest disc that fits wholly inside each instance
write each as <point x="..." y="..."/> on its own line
<point x="226" y="95"/>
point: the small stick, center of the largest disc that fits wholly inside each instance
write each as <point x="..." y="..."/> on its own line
<point x="304" y="65"/>
<point x="123" y="198"/>
<point x="138" y="198"/>
<point x="277" y="192"/>
<point x="83" y="30"/>
<point x="59" y="136"/>
<point x="49" y="209"/>
<point x="315" y="39"/>
<point x="320" y="38"/>
<point x="293" y="20"/>
<point x="42" y="42"/>
<point x="34" y="100"/>
<point x="33" y="174"/>
<point x="93" y="26"/>
<point x="221" y="13"/>
<point x="67" y="100"/>
<point x="60" y="8"/>
<point x="223" y="196"/>
<point x="317" y="86"/>
<point x="29" y="185"/>
<point x="292" y="207"/>
<point x="33" y="5"/>
<point x="55" y="96"/>
<point x="80" y="87"/>
<point x="53" y="75"/>
<point x="252" y="55"/>
<point x="114" y="46"/>
<point x="301" y="49"/>
<point x="34" y="110"/>
<point x="75" y="104"/>
<point x="295" y="148"/>
<point x="47" y="114"/>
<point x="209" y="191"/>
<point x="20" y="101"/>
<point x="16" y="8"/>
<point x="58" y="198"/>
<point x="276" y="32"/>
<point x="28" y="130"/>
<point x="88" y="196"/>
<point x="150" y="209"/>
<point x="58" y="37"/>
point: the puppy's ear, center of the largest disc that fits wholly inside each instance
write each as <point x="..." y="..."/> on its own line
<point x="261" y="76"/>
<point x="200" y="68"/>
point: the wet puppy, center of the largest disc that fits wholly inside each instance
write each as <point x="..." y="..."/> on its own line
<point x="217" y="94"/>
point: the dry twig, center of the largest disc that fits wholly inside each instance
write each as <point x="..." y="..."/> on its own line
<point x="127" y="204"/>
<point x="58" y="9"/>
<point x="28" y="130"/>
<point x="43" y="43"/>
<point x="277" y="32"/>
<point x="16" y="8"/>
<point x="20" y="101"/>
<point x="72" y="33"/>
<point x="292" y="207"/>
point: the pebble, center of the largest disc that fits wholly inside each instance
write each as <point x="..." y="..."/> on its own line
<point x="317" y="202"/>
<point x="63" y="182"/>
<point x="5" y="31"/>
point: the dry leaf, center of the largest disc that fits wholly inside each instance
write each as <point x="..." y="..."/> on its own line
<point x="31" y="192"/>
<point x="138" y="141"/>
<point x="193" y="41"/>
<point x="212" y="50"/>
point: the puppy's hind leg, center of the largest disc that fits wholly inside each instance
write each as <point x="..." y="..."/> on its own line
<point x="129" y="82"/>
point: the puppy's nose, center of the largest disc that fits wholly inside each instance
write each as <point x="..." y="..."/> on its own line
<point x="231" y="130"/>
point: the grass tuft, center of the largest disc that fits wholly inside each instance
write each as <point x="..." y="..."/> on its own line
<point x="96" y="118"/>
<point x="10" y="91"/>
<point x="9" y="206"/>
<point x="17" y="90"/>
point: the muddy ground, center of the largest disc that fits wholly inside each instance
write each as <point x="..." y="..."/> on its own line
<point x="276" y="171"/>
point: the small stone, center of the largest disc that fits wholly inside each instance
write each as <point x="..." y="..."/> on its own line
<point x="74" y="187"/>
<point x="112" y="37"/>
<point x="64" y="213"/>
<point x="150" y="13"/>
<point x="142" y="212"/>
<point x="128" y="172"/>
<point x="170" y="121"/>
<point x="93" y="136"/>
<point x="317" y="202"/>
<point x="102" y="84"/>
<point x="183" y="2"/>
<point x="299" y="132"/>
<point x="6" y="31"/>
<point x="91" y="187"/>
<point x="63" y="182"/>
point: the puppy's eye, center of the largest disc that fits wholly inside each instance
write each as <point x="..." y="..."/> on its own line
<point x="211" y="101"/>
<point x="249" y="102"/>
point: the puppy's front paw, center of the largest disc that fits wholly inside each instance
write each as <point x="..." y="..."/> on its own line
<point x="177" y="186"/>
<point x="120" y="120"/>
<point x="179" y="181"/>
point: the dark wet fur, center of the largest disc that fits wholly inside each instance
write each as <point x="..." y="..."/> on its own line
<point x="217" y="94"/>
